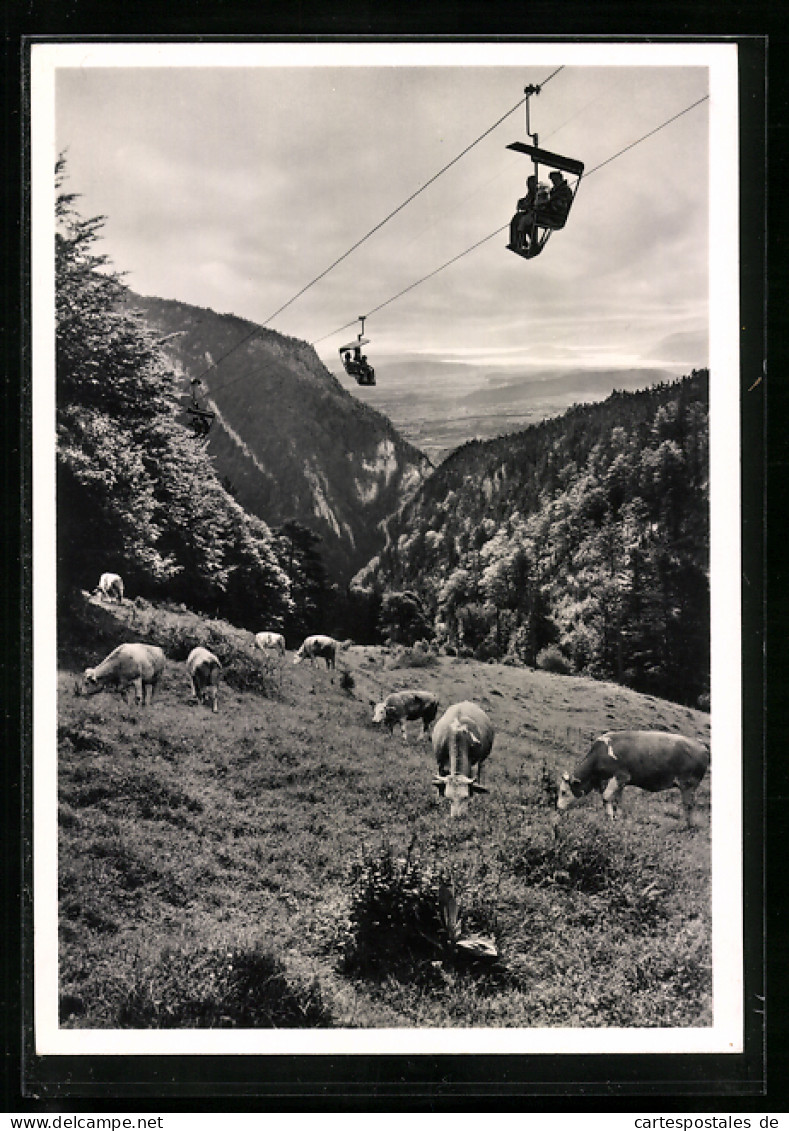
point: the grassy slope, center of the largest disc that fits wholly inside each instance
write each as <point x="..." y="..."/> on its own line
<point x="185" y="835"/>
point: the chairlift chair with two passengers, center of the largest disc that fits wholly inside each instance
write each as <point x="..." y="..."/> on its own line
<point x="200" y="418"/>
<point x="354" y="361"/>
<point x="543" y="210"/>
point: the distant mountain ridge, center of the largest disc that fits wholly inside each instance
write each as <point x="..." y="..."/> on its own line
<point x="288" y="439"/>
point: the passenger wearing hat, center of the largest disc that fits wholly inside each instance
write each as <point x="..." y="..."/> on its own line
<point x="560" y="199"/>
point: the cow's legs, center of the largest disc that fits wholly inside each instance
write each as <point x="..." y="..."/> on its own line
<point x="404" y="730"/>
<point x="612" y="795"/>
<point x="138" y="691"/>
<point x="688" y="794"/>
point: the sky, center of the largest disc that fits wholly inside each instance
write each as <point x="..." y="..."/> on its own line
<point x="234" y="186"/>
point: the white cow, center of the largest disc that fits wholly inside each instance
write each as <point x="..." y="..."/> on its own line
<point x="271" y="641"/>
<point x="138" y="664"/>
<point x="315" y="647"/>
<point x="403" y="706"/>
<point x="462" y="740"/>
<point x="110" y="585"/>
<point x="205" y="672"/>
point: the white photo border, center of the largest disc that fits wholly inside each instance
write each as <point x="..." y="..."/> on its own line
<point x="726" y="1034"/>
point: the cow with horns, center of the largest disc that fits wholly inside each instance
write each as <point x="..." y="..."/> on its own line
<point x="462" y="740"/>
<point x="650" y="759"/>
<point x="406" y="706"/>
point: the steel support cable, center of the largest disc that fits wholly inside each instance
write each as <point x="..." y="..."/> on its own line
<point x="372" y="232"/>
<point x="485" y="239"/>
<point x="505" y="227"/>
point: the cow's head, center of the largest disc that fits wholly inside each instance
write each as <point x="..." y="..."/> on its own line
<point x="457" y="788"/>
<point x="298" y="657"/>
<point x="90" y="684"/>
<point x="570" y="789"/>
<point x="379" y="712"/>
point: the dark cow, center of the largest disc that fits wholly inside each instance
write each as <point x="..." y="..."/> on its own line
<point x="138" y="664"/>
<point x="405" y="706"/>
<point x="462" y="740"/>
<point x="317" y="647"/>
<point x="649" y="759"/>
<point x="205" y="672"/>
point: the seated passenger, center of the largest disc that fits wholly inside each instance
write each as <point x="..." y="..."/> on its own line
<point x="561" y="197"/>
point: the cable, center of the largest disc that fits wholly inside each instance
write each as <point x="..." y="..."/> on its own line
<point x="473" y="247"/>
<point x="504" y="227"/>
<point x="608" y="160"/>
<point x="372" y="232"/>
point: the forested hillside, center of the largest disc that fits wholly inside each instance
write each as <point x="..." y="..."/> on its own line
<point x="288" y="440"/>
<point x="581" y="543"/>
<point x="137" y="493"/>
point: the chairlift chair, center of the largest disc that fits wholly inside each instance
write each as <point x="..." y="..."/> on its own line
<point x="538" y="222"/>
<point x="353" y="360"/>
<point x="200" y="418"/>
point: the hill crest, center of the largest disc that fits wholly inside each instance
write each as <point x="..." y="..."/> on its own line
<point x="288" y="440"/>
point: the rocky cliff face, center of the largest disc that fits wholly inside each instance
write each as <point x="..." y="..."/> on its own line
<point x="288" y="439"/>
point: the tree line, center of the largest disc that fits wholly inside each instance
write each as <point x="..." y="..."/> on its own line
<point x="136" y="490"/>
<point x="580" y="544"/>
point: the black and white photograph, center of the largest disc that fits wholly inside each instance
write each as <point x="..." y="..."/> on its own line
<point x="386" y="541"/>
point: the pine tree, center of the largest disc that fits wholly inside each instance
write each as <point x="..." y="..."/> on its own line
<point x="137" y="492"/>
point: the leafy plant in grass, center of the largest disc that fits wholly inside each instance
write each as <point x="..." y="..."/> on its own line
<point x="219" y="988"/>
<point x="403" y="914"/>
<point x="542" y="791"/>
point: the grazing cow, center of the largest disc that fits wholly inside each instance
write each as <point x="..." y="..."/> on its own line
<point x="204" y="673"/>
<point x="462" y="740"/>
<point x="271" y="641"/>
<point x="138" y="664"/>
<point x="315" y="647"/>
<point x="649" y="759"/>
<point x="110" y="585"/>
<point x="402" y="706"/>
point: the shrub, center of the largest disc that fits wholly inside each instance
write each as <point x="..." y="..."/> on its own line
<point x="347" y="681"/>
<point x="551" y="659"/>
<point x="219" y="988"/>
<point x="396" y="925"/>
<point x="412" y="658"/>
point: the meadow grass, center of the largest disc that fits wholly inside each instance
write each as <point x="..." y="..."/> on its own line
<point x="278" y="864"/>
